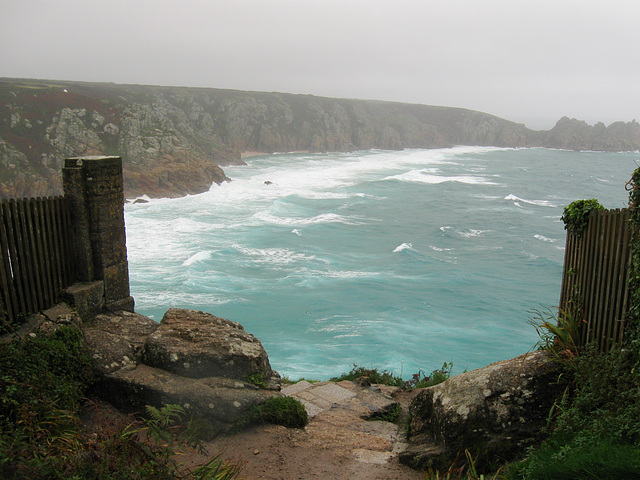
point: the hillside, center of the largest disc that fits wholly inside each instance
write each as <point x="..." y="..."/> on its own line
<point x="173" y="140"/>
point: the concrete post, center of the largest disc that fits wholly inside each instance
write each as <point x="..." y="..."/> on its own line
<point x="94" y="188"/>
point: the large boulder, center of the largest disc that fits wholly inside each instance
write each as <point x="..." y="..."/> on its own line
<point x="495" y="412"/>
<point x="192" y="358"/>
<point x="220" y="404"/>
<point x="197" y="344"/>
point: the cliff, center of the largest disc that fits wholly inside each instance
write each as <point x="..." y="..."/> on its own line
<point x="173" y="140"/>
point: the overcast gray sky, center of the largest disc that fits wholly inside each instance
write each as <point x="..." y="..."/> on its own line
<point x="528" y="61"/>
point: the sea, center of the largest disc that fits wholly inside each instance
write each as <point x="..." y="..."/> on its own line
<point x="395" y="260"/>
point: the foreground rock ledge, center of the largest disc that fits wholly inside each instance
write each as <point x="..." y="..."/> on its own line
<point x="495" y="412"/>
<point x="191" y="358"/>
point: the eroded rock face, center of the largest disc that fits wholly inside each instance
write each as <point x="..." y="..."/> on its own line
<point x="197" y="344"/>
<point x="495" y="412"/>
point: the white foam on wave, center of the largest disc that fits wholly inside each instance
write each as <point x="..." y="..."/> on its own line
<point x="545" y="239"/>
<point x="198" y="257"/>
<point x="275" y="256"/>
<point x="471" y="233"/>
<point x="468" y="233"/>
<point x="427" y="176"/>
<point x="438" y="249"/>
<point x="540" y="203"/>
<point x="297" y="232"/>
<point x="312" y="274"/>
<point x="404" y="246"/>
<point x="292" y="221"/>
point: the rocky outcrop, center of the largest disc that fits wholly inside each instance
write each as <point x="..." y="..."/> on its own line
<point x="173" y="140"/>
<point x="572" y="134"/>
<point x="495" y="412"/>
<point x="197" y="344"/>
<point x="191" y="358"/>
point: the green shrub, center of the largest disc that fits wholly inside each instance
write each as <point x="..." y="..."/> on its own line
<point x="576" y="215"/>
<point x="381" y="378"/>
<point x="286" y="411"/>
<point x="418" y="380"/>
<point x="40" y="374"/>
<point x="563" y="457"/>
<point x="596" y="433"/>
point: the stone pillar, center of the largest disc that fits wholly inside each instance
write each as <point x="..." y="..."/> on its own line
<point x="94" y="188"/>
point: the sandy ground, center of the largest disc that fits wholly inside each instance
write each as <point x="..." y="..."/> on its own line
<point x="336" y="444"/>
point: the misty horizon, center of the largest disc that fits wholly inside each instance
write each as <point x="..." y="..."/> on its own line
<point x="528" y="62"/>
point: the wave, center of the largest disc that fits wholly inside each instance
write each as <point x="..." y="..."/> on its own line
<point x="198" y="257"/>
<point x="540" y="203"/>
<point x="427" y="176"/>
<point x="438" y="249"/>
<point x="467" y="233"/>
<point x="545" y="239"/>
<point x="291" y="221"/>
<point x="404" y="246"/>
<point x="276" y="256"/>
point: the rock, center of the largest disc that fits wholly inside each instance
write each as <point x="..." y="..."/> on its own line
<point x="46" y="322"/>
<point x="495" y="412"/>
<point x="220" y="404"/>
<point x="110" y="352"/>
<point x="132" y="328"/>
<point x="197" y="344"/>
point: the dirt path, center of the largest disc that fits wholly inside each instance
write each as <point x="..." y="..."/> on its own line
<point x="338" y="443"/>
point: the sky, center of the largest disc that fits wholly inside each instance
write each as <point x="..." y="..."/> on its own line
<point x="529" y="61"/>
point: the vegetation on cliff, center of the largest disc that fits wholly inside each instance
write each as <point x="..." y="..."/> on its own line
<point x="173" y="140"/>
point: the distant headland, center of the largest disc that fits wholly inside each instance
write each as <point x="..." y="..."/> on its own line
<point x="174" y="140"/>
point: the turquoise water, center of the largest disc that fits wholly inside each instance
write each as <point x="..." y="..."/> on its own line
<point x="395" y="260"/>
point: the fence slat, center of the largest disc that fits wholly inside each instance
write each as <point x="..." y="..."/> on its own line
<point x="9" y="295"/>
<point x="35" y="245"/>
<point x="596" y="268"/>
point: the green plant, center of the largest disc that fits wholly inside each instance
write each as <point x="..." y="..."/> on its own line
<point x="420" y="380"/>
<point x="466" y="471"/>
<point x="381" y="378"/>
<point x="559" y="332"/>
<point x="632" y="330"/>
<point x="286" y="411"/>
<point x="257" y="379"/>
<point x="392" y="415"/>
<point x="576" y="215"/>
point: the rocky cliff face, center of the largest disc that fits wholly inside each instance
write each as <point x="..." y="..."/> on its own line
<point x="173" y="140"/>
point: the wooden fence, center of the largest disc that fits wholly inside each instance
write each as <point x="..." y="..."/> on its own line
<point x="595" y="277"/>
<point x="35" y="253"/>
